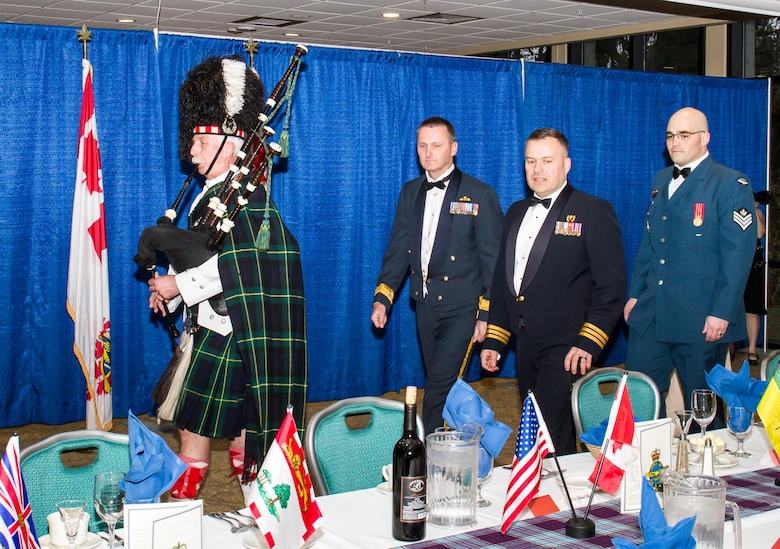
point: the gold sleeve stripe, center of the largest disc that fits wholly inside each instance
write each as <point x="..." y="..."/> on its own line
<point x="498" y="333"/>
<point x="386" y="291"/>
<point x="595" y="334"/>
<point x="484" y="304"/>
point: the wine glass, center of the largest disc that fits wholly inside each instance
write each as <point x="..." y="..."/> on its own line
<point x="739" y="422"/>
<point x="684" y="417"/>
<point x="109" y="500"/>
<point x="704" y="407"/>
<point x="481" y="480"/>
<point x="70" y="513"/>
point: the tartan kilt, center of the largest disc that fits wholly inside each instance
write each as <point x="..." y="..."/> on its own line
<point x="248" y="378"/>
<point x="214" y="391"/>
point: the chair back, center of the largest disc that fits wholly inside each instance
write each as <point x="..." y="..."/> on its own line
<point x="593" y="394"/>
<point x="769" y="364"/>
<point x="347" y="443"/>
<point x="50" y="480"/>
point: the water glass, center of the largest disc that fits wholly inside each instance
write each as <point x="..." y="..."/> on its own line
<point x="109" y="500"/>
<point x="70" y="512"/>
<point x="704" y="407"/>
<point x="739" y="422"/>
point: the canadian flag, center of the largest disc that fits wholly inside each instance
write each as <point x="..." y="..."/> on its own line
<point x="281" y="499"/>
<point x="620" y="447"/>
<point x="88" y="301"/>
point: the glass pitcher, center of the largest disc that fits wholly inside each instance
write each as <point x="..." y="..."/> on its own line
<point x="703" y="496"/>
<point x="453" y="469"/>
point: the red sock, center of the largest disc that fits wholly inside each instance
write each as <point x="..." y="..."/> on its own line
<point x="236" y="461"/>
<point x="189" y="482"/>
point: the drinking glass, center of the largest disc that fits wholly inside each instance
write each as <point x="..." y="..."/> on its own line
<point x="70" y="512"/>
<point x="109" y="500"/>
<point x="684" y="417"/>
<point x="481" y="501"/>
<point x="704" y="407"/>
<point x="739" y="422"/>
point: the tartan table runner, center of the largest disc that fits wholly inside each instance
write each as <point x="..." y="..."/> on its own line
<point x="754" y="492"/>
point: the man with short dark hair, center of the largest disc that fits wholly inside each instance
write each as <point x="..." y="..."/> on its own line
<point x="558" y="285"/>
<point x="445" y="234"/>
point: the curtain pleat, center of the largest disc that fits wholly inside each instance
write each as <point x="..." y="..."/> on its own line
<point x="352" y="146"/>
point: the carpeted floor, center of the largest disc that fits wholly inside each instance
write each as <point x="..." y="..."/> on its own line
<point x="221" y="493"/>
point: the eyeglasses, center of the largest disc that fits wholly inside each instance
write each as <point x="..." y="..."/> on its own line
<point x="683" y="136"/>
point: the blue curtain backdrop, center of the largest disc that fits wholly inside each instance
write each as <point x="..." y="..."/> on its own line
<point x="351" y="148"/>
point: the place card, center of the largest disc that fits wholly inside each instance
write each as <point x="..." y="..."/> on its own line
<point x="164" y="525"/>
<point x="655" y="453"/>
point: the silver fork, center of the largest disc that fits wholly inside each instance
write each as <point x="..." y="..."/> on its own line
<point x="236" y="525"/>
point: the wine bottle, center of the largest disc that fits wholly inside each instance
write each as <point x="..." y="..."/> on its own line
<point x="409" y="477"/>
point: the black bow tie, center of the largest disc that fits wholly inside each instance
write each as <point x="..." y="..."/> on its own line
<point x="438" y="184"/>
<point x="543" y="201"/>
<point x="685" y="172"/>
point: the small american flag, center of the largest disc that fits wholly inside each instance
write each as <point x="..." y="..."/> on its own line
<point x="16" y="524"/>
<point x="533" y="443"/>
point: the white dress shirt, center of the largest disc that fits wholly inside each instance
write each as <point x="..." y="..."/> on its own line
<point x="434" y="199"/>
<point x="679" y="180"/>
<point x="526" y="236"/>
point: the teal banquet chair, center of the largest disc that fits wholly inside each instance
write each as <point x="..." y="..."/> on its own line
<point x="593" y="394"/>
<point x="49" y="479"/>
<point x="347" y="443"/>
<point x="769" y="365"/>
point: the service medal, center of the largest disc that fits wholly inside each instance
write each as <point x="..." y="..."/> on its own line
<point x="698" y="214"/>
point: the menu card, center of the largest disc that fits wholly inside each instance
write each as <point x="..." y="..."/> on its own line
<point x="164" y="525"/>
<point x="655" y="453"/>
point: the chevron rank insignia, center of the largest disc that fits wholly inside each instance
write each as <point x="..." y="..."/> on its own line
<point x="743" y="181"/>
<point x="743" y="218"/>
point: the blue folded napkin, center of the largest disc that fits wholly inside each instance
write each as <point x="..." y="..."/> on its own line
<point x="736" y="389"/>
<point x="154" y="467"/>
<point x="657" y="533"/>
<point x="464" y="405"/>
<point x="595" y="435"/>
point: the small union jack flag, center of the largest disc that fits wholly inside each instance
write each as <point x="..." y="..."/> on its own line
<point x="16" y="522"/>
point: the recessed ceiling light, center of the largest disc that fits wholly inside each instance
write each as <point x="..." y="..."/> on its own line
<point x="391" y="15"/>
<point x="125" y="20"/>
<point x="291" y="34"/>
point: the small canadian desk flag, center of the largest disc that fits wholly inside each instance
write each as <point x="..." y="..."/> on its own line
<point x="619" y="448"/>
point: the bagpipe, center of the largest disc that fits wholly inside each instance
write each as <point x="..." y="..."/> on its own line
<point x="187" y="248"/>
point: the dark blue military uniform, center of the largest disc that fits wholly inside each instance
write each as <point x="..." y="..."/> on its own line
<point x="693" y="262"/>
<point x="460" y="272"/>
<point x="571" y="295"/>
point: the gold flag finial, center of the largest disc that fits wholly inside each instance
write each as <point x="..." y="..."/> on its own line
<point x="251" y="47"/>
<point x="85" y="37"/>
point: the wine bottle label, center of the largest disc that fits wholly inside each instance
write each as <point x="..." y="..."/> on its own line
<point x="413" y="508"/>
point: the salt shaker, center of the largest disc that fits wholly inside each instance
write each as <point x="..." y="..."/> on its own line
<point x="708" y="459"/>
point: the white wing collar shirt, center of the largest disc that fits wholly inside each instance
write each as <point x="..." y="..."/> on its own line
<point x="526" y="235"/>
<point x="434" y="199"/>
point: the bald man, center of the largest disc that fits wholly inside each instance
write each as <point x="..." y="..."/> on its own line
<point x="685" y="299"/>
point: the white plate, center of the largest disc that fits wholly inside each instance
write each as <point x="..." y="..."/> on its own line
<point x="92" y="541"/>
<point x="385" y="488"/>
<point x="253" y="540"/>
<point x="722" y="461"/>
<point x="575" y="483"/>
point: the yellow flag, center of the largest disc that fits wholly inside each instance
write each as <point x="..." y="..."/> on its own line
<point x="769" y="411"/>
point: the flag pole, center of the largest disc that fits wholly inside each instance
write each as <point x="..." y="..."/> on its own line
<point x="565" y="488"/>
<point x="85" y="37"/>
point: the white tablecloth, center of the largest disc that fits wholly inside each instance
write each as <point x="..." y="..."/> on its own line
<point x="361" y="519"/>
